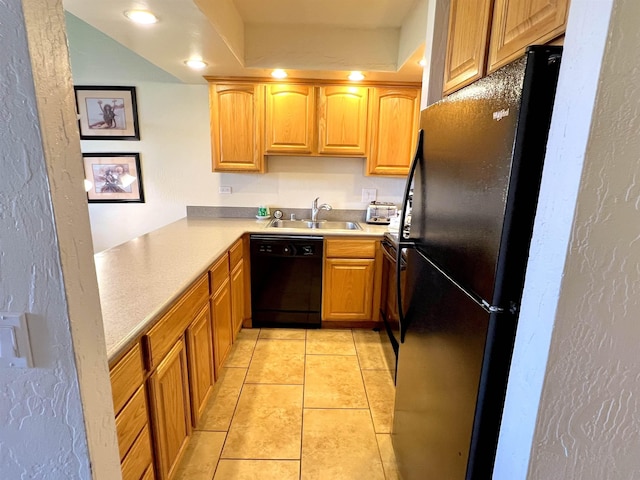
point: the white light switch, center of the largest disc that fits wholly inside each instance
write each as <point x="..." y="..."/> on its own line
<point x="15" y="349"/>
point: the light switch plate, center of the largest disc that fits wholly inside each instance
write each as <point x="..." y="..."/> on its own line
<point x="369" y="195"/>
<point x="15" y="348"/>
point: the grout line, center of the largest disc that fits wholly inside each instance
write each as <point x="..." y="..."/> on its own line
<point x="304" y="381"/>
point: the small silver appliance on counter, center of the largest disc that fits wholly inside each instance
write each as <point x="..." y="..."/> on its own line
<point x="381" y="212"/>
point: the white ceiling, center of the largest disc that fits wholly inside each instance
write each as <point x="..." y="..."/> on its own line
<point x="309" y="38"/>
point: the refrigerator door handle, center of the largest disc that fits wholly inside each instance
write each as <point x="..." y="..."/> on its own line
<point x="402" y="243"/>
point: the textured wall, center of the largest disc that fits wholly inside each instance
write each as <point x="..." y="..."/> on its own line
<point x="588" y="421"/>
<point x="46" y="266"/>
<point x="587" y="32"/>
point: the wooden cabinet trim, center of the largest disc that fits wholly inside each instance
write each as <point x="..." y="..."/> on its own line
<point x="222" y="323"/>
<point x="219" y="273"/>
<point x="162" y="336"/>
<point x="235" y="254"/>
<point x="519" y="24"/>
<point x="139" y="459"/>
<point x="467" y="43"/>
<point x="290" y="119"/>
<point x="131" y="420"/>
<point x="126" y="376"/>
<point x="343" y="120"/>
<point x="393" y="110"/>
<point x="200" y="354"/>
<point x="350" y="248"/>
<point x="171" y="429"/>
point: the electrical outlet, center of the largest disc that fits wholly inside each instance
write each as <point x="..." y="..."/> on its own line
<point x="369" y="195"/>
<point x="224" y="190"/>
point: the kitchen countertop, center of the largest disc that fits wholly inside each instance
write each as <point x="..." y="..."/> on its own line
<point x="139" y="279"/>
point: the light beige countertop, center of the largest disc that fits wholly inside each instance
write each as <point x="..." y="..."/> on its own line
<point x="139" y="279"/>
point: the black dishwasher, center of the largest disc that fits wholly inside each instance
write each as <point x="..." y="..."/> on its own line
<point x="286" y="281"/>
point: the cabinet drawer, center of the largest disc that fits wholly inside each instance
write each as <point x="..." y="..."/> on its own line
<point x="126" y="377"/>
<point x="350" y="248"/>
<point x="235" y="254"/>
<point x="164" y="334"/>
<point x="131" y="421"/>
<point x="219" y="273"/>
<point x="139" y="458"/>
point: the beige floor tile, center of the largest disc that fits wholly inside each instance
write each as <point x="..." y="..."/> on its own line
<point x="267" y="423"/>
<point x="200" y="459"/>
<point x="222" y="403"/>
<point x="381" y="396"/>
<point x="242" y="349"/>
<point x="333" y="381"/>
<point x="283" y="333"/>
<point x="330" y="342"/>
<point x="339" y="445"/>
<point x="247" y="333"/>
<point x="388" y="456"/>
<point x="278" y="362"/>
<point x="370" y="350"/>
<point x="258" y="470"/>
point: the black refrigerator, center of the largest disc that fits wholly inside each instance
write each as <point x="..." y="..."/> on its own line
<point x="476" y="178"/>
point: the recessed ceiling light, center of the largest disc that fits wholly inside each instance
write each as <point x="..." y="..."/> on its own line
<point x="144" y="17"/>
<point x="356" y="76"/>
<point x="195" y="63"/>
<point x="279" y="73"/>
<point x="423" y="62"/>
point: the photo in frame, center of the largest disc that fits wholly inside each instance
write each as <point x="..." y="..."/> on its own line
<point x="113" y="177"/>
<point x="107" y="113"/>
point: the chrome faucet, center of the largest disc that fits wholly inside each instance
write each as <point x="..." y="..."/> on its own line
<point x="315" y="209"/>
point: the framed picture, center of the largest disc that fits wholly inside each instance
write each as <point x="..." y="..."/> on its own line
<point x="107" y="113"/>
<point x="113" y="177"/>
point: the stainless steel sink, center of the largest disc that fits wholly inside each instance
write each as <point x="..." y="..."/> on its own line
<point x="320" y="225"/>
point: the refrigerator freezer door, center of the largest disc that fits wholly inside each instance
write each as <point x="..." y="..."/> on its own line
<point x="483" y="154"/>
<point x="439" y="369"/>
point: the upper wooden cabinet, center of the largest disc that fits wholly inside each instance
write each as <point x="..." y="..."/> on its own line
<point x="484" y="35"/>
<point x="517" y="24"/>
<point x="312" y="117"/>
<point x="342" y="120"/>
<point x="236" y="127"/>
<point x="290" y="119"/>
<point x="469" y="22"/>
<point x="395" y="113"/>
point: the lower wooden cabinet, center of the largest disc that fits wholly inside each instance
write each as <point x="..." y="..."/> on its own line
<point x="138" y="463"/>
<point x="350" y="280"/>
<point x="237" y="297"/>
<point x="200" y="353"/>
<point x="222" y="327"/>
<point x="170" y="409"/>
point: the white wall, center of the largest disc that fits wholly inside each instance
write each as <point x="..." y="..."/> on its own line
<point x="56" y="419"/>
<point x="586" y="301"/>
<point x="587" y="425"/>
<point x="175" y="151"/>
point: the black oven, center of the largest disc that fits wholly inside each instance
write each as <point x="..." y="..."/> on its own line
<point x="389" y="300"/>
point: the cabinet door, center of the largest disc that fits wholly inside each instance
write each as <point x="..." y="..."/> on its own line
<point x="467" y="42"/>
<point x="171" y="413"/>
<point x="347" y="289"/>
<point x="222" y="329"/>
<point x="237" y="297"/>
<point x="394" y="130"/>
<point x="517" y="24"/>
<point x="236" y="127"/>
<point x="200" y="350"/>
<point x="342" y="120"/>
<point x="290" y="119"/>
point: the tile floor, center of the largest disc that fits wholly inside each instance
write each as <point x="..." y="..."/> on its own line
<point x="298" y="404"/>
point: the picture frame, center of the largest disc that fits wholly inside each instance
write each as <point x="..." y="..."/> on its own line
<point x="107" y="113"/>
<point x="113" y="177"/>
